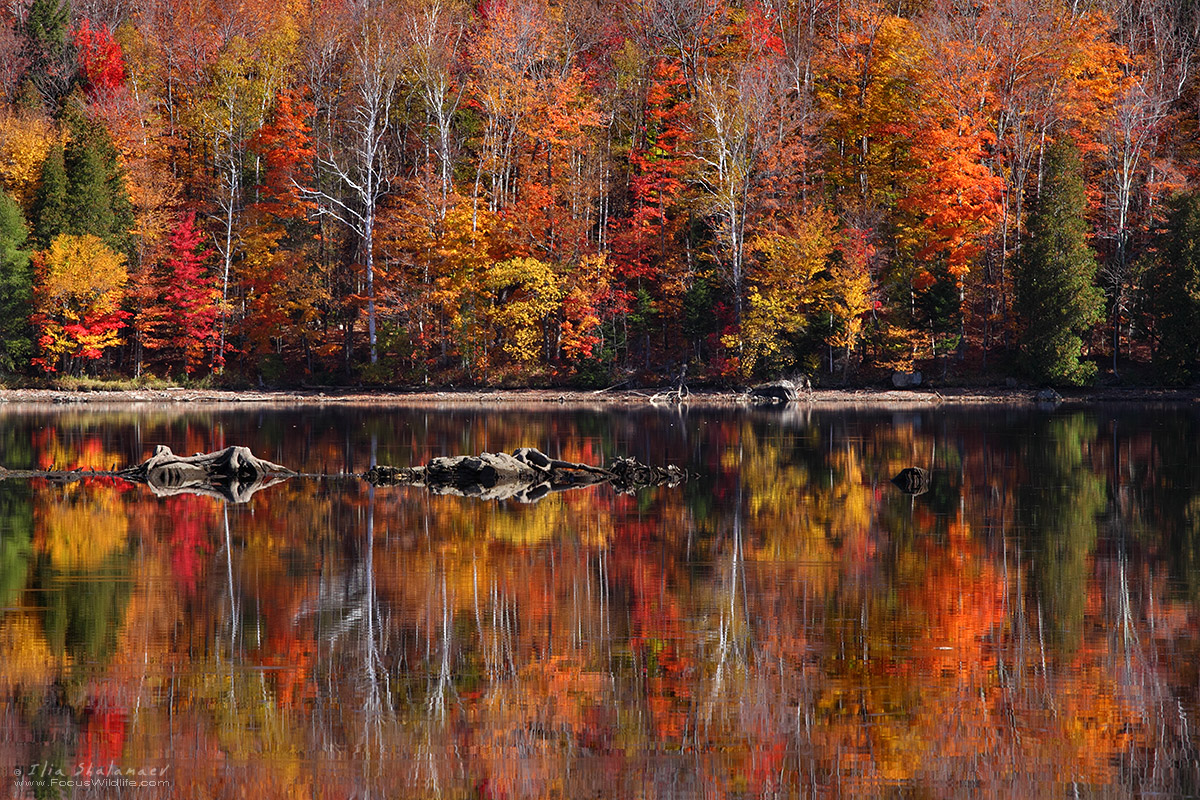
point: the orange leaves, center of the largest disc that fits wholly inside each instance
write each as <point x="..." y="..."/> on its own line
<point x="868" y="88"/>
<point x="588" y="301"/>
<point x="287" y="152"/>
<point x="956" y="199"/>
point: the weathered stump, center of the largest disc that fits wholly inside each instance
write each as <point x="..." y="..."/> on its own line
<point x="629" y="475"/>
<point x="526" y="475"/>
<point x="233" y="474"/>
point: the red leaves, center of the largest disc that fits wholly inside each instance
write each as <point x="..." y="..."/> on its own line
<point x="658" y="163"/>
<point x="286" y="148"/>
<point x="101" y="62"/>
<point x="182" y="311"/>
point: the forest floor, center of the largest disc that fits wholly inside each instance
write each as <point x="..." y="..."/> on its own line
<point x="576" y="397"/>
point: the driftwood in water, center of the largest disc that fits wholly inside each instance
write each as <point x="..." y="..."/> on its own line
<point x="526" y="475"/>
<point x="912" y="480"/>
<point x="233" y="474"/>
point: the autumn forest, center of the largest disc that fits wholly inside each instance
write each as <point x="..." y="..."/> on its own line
<point x="527" y="192"/>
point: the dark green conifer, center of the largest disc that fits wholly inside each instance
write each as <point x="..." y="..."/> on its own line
<point x="47" y="50"/>
<point x="50" y="204"/>
<point x="1175" y="291"/>
<point x="16" y="289"/>
<point x="1057" y="297"/>
<point x="97" y="201"/>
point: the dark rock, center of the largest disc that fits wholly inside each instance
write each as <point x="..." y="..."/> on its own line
<point x="1048" y="395"/>
<point x="912" y="480"/>
<point x="906" y="380"/>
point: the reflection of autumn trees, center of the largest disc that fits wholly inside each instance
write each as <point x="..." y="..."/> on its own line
<point x="789" y="624"/>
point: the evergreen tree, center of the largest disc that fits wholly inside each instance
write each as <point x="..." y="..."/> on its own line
<point x="1175" y="295"/>
<point x="16" y="289"/>
<point x="50" y="203"/>
<point x="48" y="51"/>
<point x="97" y="201"/>
<point x="1057" y="296"/>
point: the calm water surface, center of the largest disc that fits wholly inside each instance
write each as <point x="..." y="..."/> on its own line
<point x="787" y="625"/>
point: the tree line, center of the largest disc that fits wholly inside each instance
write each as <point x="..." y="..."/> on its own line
<point x="527" y="191"/>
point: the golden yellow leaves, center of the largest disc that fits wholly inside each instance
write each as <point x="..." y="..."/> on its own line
<point x="804" y="268"/>
<point x="527" y="292"/>
<point x="24" y="142"/>
<point x="25" y="657"/>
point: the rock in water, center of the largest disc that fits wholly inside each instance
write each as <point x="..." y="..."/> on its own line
<point x="912" y="480"/>
<point x="479" y="475"/>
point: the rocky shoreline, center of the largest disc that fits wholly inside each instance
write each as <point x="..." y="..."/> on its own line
<point x="663" y="397"/>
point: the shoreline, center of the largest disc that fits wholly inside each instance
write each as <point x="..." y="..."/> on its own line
<point x="650" y="398"/>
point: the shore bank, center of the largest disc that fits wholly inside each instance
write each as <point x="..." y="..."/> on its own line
<point x="578" y="397"/>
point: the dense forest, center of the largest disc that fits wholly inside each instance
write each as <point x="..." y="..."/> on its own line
<point x="573" y="191"/>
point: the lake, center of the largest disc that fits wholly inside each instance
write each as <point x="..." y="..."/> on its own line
<point x="785" y="624"/>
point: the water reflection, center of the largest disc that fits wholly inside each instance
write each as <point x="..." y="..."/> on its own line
<point x="787" y="624"/>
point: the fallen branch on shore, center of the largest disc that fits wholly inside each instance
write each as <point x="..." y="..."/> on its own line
<point x="526" y="475"/>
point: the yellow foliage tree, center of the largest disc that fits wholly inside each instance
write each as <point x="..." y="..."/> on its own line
<point x="77" y="297"/>
<point x="785" y="288"/>
<point x="526" y="293"/>
<point x="24" y="142"/>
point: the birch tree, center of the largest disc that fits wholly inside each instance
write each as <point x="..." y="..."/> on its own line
<point x="361" y="168"/>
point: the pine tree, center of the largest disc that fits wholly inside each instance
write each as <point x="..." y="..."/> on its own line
<point x="97" y="201"/>
<point x="46" y="50"/>
<point x="89" y="207"/>
<point x="50" y="202"/>
<point x="1057" y="296"/>
<point x="16" y="289"/>
<point x="1175" y="294"/>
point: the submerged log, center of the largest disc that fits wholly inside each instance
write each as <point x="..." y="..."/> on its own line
<point x="526" y="475"/>
<point x="629" y="475"/>
<point x="232" y="474"/>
